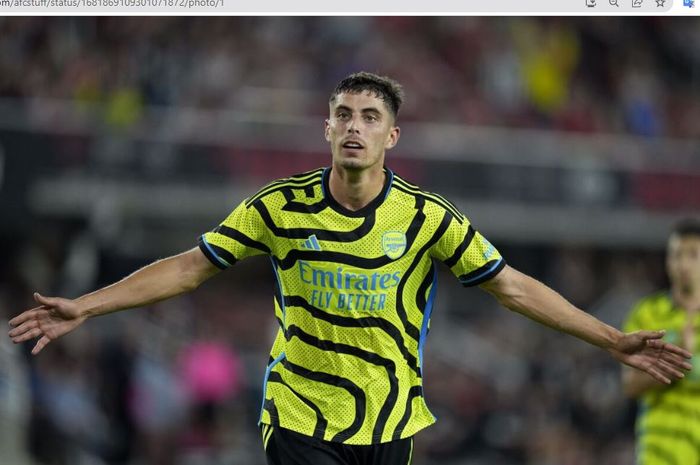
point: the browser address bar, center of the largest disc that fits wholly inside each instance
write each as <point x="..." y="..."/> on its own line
<point x="432" y="7"/>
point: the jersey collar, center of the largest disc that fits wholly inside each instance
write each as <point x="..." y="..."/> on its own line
<point x="367" y="209"/>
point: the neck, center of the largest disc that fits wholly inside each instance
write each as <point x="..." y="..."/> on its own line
<point x="354" y="189"/>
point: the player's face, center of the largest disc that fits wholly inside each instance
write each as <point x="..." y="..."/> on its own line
<point x="683" y="263"/>
<point x="360" y="129"/>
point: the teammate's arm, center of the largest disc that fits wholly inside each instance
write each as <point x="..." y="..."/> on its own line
<point x="158" y="281"/>
<point x="636" y="383"/>
<point x="642" y="349"/>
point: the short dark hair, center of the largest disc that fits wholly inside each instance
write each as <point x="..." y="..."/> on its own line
<point x="687" y="227"/>
<point x="390" y="91"/>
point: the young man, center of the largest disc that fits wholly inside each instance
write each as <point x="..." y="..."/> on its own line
<point x="668" y="426"/>
<point x="353" y="247"/>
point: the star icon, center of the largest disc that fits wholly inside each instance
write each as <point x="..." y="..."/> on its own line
<point x="660" y="3"/>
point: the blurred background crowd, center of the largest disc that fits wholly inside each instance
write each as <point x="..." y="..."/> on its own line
<point x="572" y="143"/>
<point x="571" y="74"/>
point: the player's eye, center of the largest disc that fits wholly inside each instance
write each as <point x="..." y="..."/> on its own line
<point x="371" y="118"/>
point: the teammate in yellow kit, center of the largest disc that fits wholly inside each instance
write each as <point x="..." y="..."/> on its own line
<point x="354" y="249"/>
<point x="668" y="425"/>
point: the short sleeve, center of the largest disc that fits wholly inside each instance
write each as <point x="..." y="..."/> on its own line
<point x="468" y="254"/>
<point x="242" y="234"/>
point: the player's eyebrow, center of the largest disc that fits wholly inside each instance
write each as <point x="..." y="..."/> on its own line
<point x="364" y="110"/>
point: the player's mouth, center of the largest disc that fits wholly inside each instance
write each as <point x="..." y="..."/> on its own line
<point x="352" y="145"/>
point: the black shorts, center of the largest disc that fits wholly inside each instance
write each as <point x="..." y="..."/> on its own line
<point x="285" y="447"/>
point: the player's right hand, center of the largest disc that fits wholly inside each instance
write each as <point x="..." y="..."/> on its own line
<point x="52" y="319"/>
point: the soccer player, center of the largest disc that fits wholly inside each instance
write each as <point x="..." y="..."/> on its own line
<point x="668" y="425"/>
<point x="354" y="249"/>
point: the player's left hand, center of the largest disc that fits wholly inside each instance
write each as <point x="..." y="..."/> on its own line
<point x="646" y="351"/>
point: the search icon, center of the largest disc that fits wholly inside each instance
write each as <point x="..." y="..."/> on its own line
<point x="614" y="3"/>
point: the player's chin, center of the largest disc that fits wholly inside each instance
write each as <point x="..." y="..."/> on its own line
<point x="352" y="163"/>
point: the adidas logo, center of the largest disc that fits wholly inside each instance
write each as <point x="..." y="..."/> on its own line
<point x="311" y="243"/>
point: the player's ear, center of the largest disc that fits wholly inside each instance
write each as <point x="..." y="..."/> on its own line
<point x="327" y="129"/>
<point x="393" y="137"/>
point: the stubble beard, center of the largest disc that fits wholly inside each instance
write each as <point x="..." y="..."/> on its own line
<point x="352" y="164"/>
<point x="360" y="163"/>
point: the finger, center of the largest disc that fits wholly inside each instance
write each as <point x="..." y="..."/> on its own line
<point x="40" y="345"/>
<point x="36" y="317"/>
<point x="24" y="316"/>
<point x="676" y="360"/>
<point x="678" y="350"/>
<point x="24" y="327"/>
<point x="47" y="301"/>
<point x="652" y="335"/>
<point x="34" y="333"/>
<point x="657" y="375"/>
<point x="668" y="347"/>
<point x="669" y="370"/>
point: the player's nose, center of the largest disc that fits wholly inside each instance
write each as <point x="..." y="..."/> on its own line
<point x="353" y="127"/>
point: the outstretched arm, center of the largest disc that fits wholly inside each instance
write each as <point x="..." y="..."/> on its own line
<point x="642" y="349"/>
<point x="158" y="281"/>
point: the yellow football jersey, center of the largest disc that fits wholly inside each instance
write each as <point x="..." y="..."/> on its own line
<point x="668" y="424"/>
<point x="353" y="298"/>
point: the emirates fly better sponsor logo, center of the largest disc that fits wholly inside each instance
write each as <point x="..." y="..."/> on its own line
<point x="344" y="288"/>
